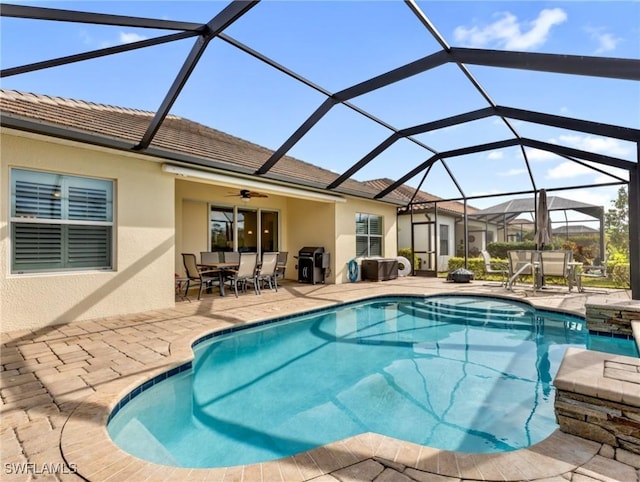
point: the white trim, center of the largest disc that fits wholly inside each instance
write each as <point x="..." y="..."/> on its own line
<point x="246" y="183"/>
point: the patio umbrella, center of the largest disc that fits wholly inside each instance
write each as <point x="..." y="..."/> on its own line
<point x="543" y="229"/>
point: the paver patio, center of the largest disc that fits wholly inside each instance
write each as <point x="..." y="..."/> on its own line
<point x="58" y="385"/>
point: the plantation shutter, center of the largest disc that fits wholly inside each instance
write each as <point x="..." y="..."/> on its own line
<point x="368" y="235"/>
<point x="60" y="222"/>
<point x="375" y="235"/>
<point x="36" y="245"/>
<point x="362" y="238"/>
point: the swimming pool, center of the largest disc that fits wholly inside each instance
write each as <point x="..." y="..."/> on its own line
<point x="454" y="372"/>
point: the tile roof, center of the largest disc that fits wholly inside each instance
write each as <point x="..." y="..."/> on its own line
<point x="423" y="199"/>
<point x="178" y="139"/>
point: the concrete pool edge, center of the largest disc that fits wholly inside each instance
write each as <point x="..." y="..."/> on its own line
<point x="86" y="445"/>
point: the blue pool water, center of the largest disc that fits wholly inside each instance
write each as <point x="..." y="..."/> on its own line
<point x="455" y="372"/>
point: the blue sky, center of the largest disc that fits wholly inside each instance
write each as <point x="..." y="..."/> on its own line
<point x="336" y="44"/>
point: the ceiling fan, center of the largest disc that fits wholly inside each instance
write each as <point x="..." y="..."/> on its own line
<point x="245" y="194"/>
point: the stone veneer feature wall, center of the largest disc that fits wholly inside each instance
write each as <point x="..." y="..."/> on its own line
<point x="598" y="394"/>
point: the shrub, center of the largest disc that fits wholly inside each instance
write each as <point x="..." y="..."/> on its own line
<point x="475" y="264"/>
<point x="620" y="275"/>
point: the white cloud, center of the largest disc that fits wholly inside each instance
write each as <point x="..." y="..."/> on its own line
<point x="568" y="170"/>
<point x="539" y="155"/>
<point x="606" y="41"/>
<point x="602" y="145"/>
<point x="85" y="38"/>
<point x="123" y="38"/>
<point x="495" y="155"/>
<point x="127" y="38"/>
<point x="512" y="172"/>
<point x="509" y="33"/>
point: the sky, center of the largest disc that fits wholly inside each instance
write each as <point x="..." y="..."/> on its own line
<point x="337" y="44"/>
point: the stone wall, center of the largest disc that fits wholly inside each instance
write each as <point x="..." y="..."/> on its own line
<point x="612" y="318"/>
<point x="614" y="424"/>
<point x="598" y="398"/>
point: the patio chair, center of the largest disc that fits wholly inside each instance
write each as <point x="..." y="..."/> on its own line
<point x="231" y="257"/>
<point x="245" y="273"/>
<point x="501" y="269"/>
<point x="209" y="257"/>
<point x="592" y="271"/>
<point x="197" y="277"/>
<point x="522" y="263"/>
<point x="268" y="270"/>
<point x="281" y="265"/>
<point x="556" y="264"/>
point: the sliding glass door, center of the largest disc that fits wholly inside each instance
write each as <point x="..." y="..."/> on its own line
<point x="241" y="229"/>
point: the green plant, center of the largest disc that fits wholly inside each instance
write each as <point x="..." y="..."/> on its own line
<point x="407" y="253"/>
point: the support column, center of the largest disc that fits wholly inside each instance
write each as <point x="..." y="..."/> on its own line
<point x="634" y="230"/>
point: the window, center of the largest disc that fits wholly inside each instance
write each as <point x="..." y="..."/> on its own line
<point x="60" y="222"/>
<point x="252" y="230"/>
<point x="247" y="230"/>
<point x="221" y="229"/>
<point x="444" y="240"/>
<point x="368" y="235"/>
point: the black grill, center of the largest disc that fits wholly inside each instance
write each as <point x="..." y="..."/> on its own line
<point x="312" y="264"/>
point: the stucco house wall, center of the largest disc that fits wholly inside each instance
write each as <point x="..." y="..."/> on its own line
<point x="345" y="239"/>
<point x="143" y="238"/>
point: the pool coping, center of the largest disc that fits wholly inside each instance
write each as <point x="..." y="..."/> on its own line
<point x="86" y="445"/>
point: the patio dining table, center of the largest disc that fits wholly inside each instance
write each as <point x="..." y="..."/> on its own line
<point x="221" y="267"/>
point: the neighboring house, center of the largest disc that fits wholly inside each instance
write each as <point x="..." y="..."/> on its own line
<point x="574" y="230"/>
<point x="437" y="227"/>
<point x="93" y="228"/>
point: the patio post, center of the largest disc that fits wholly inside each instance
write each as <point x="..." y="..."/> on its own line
<point x="634" y="229"/>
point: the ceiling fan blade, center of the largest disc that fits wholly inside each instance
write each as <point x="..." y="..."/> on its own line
<point x="246" y="194"/>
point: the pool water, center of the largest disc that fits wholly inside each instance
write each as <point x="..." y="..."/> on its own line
<point x="462" y="373"/>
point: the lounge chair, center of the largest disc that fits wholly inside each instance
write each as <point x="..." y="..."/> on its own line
<point x="501" y="269"/>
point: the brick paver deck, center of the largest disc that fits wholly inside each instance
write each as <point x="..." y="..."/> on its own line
<point x="58" y="385"/>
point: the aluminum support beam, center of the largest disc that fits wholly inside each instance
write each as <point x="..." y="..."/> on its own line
<point x="226" y="17"/>
<point x="364" y="161"/>
<point x="597" y="128"/>
<point x="93" y="54"/>
<point x="41" y="13"/>
<point x="587" y="156"/>
<point x="634" y="229"/>
<point x="625" y="69"/>
<point x="297" y="135"/>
